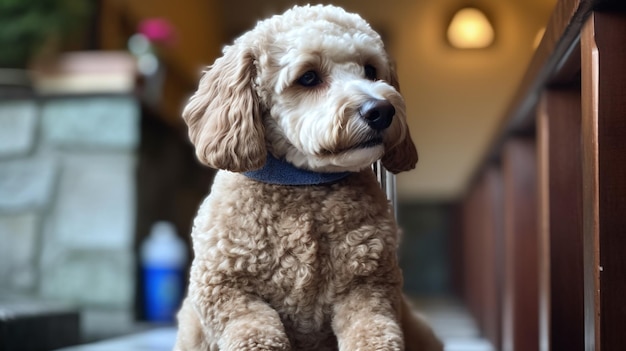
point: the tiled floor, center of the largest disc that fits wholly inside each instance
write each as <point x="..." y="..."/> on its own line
<point x="449" y="319"/>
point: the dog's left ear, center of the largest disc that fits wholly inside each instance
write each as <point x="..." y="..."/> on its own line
<point x="224" y="115"/>
<point x="403" y="157"/>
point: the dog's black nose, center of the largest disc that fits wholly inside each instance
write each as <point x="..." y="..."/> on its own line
<point x="378" y="113"/>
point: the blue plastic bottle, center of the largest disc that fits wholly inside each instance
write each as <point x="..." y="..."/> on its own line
<point x="163" y="258"/>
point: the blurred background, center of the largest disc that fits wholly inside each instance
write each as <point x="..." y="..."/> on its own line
<point x="93" y="152"/>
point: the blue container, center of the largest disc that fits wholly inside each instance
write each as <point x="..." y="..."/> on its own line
<point x="164" y="293"/>
<point x="163" y="259"/>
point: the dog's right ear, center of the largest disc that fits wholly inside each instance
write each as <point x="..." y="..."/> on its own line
<point x="403" y="156"/>
<point x="224" y="115"/>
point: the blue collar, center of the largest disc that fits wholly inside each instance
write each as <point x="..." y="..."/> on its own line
<point x="281" y="172"/>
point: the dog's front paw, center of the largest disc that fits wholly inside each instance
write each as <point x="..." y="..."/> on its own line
<point x="375" y="333"/>
<point x="261" y="344"/>
<point x="253" y="338"/>
<point x="377" y="345"/>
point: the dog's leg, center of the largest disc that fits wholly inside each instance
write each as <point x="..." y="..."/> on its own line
<point x="240" y="322"/>
<point x="366" y="319"/>
<point x="418" y="336"/>
<point x="191" y="336"/>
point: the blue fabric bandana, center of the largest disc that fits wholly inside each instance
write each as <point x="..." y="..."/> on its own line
<point x="280" y="172"/>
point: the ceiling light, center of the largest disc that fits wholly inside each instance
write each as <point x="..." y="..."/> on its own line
<point x="470" y="29"/>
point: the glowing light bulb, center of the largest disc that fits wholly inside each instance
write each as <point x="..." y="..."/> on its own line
<point x="470" y="29"/>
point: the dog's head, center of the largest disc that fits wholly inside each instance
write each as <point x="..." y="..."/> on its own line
<point x="313" y="86"/>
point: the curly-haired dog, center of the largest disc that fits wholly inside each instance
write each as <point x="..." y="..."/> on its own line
<point x="295" y="247"/>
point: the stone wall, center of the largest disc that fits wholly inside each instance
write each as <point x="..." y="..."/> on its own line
<point x="67" y="199"/>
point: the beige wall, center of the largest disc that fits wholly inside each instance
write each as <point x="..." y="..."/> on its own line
<point x="454" y="97"/>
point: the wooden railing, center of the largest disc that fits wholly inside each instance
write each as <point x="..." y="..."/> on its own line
<point x="544" y="222"/>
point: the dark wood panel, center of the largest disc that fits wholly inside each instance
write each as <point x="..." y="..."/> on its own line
<point x="493" y="269"/>
<point x="561" y="217"/>
<point x="589" y="131"/>
<point x="520" y="300"/>
<point x="604" y="148"/>
<point x="472" y="251"/>
<point x="483" y="228"/>
<point x="543" y="188"/>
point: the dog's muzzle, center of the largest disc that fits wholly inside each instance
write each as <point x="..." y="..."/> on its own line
<point x="377" y="113"/>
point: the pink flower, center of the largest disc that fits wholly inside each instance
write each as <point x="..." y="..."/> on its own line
<point x="157" y="30"/>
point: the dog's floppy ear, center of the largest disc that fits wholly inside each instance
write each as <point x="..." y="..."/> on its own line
<point x="224" y="115"/>
<point x="402" y="157"/>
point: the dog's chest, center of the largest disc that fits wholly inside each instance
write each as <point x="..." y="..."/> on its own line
<point x="318" y="243"/>
<point x="304" y="236"/>
<point x="299" y="249"/>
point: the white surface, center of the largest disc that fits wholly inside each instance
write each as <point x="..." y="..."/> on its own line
<point x="161" y="339"/>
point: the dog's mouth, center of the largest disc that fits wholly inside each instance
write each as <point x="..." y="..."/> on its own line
<point x="369" y="143"/>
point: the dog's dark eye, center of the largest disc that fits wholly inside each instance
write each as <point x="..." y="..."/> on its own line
<point x="309" y="79"/>
<point x="370" y="72"/>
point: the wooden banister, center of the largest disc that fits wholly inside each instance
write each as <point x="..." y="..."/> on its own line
<point x="565" y="268"/>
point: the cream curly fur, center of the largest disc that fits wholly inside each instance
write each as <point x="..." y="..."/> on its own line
<point x="281" y="267"/>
